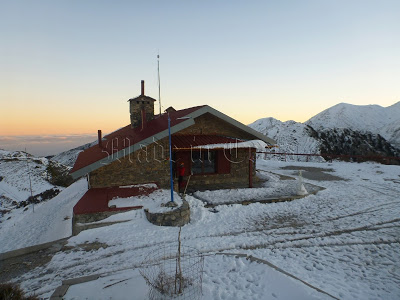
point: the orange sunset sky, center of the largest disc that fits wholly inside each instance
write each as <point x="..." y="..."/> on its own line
<point x="69" y="67"/>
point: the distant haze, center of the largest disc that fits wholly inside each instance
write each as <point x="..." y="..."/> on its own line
<point x="44" y="145"/>
<point x="377" y="119"/>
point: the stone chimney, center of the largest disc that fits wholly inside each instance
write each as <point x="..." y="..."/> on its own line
<point x="141" y="109"/>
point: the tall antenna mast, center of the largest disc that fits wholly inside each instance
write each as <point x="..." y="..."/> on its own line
<point x="159" y="83"/>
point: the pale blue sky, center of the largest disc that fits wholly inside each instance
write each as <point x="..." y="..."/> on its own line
<point x="68" y="67"/>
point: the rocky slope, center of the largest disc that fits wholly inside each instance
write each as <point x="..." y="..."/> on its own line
<point x="344" y="141"/>
<point x="19" y="171"/>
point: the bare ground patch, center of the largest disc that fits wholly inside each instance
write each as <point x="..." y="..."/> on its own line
<point x="313" y="173"/>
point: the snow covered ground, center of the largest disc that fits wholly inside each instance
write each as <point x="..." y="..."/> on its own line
<point x="344" y="240"/>
<point x="272" y="188"/>
<point x="225" y="277"/>
<point x="50" y="220"/>
<point x="153" y="202"/>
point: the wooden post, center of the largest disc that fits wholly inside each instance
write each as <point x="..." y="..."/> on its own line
<point x="250" y="170"/>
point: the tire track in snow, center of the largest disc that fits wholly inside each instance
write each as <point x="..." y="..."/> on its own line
<point x="376" y="190"/>
<point x="340" y="244"/>
<point x="365" y="211"/>
<point x="263" y="245"/>
<point x="330" y="234"/>
<point x="78" y="269"/>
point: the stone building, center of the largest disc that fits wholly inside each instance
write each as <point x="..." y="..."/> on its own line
<point x="214" y="148"/>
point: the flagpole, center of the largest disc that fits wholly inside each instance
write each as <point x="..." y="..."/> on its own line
<point x="170" y="159"/>
<point x="159" y="82"/>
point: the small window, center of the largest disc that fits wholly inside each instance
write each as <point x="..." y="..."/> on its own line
<point x="203" y="162"/>
<point x="209" y="162"/>
<point x="197" y="164"/>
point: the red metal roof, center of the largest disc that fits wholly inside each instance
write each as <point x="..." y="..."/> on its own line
<point x="192" y="141"/>
<point x="127" y="136"/>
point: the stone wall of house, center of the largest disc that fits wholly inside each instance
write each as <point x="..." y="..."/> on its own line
<point x="143" y="166"/>
<point x="209" y="124"/>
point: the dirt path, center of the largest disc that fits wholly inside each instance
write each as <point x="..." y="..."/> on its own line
<point x="13" y="264"/>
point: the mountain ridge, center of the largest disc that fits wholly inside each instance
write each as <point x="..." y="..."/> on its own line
<point x="343" y="129"/>
<point x="373" y="118"/>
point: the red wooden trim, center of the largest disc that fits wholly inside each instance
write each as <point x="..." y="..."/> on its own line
<point x="223" y="163"/>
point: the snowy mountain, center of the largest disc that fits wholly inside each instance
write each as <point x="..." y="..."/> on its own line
<point x="69" y="157"/>
<point x="363" y="118"/>
<point x="343" y="129"/>
<point x="291" y="136"/>
<point x="18" y="169"/>
<point x="391" y="132"/>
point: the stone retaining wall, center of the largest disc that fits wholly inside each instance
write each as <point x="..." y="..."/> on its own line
<point x="78" y="221"/>
<point x="177" y="217"/>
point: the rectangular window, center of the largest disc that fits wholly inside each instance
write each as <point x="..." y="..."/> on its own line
<point x="203" y="162"/>
<point x="197" y="163"/>
<point x="209" y="162"/>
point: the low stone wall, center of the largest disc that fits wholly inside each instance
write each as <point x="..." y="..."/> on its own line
<point x="78" y="227"/>
<point x="78" y="221"/>
<point x="177" y="217"/>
